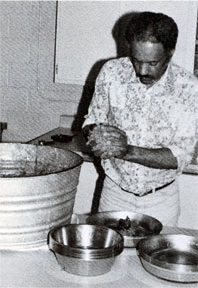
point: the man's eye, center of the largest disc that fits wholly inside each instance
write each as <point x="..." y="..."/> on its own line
<point x="153" y="63"/>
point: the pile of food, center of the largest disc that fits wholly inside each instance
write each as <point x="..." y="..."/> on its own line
<point x="131" y="228"/>
<point x="104" y="138"/>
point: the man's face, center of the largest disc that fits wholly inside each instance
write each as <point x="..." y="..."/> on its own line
<point x="150" y="61"/>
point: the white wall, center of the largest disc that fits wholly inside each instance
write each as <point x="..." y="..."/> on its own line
<point x="30" y="102"/>
<point x="86" y="187"/>
<point x="189" y="201"/>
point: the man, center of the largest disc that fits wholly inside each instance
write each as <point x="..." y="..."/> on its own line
<point x="142" y="121"/>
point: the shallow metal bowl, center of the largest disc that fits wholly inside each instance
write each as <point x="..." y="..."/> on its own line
<point x="86" y="250"/>
<point x="141" y="225"/>
<point x="171" y="257"/>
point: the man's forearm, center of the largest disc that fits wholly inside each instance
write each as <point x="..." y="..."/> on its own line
<point x="161" y="158"/>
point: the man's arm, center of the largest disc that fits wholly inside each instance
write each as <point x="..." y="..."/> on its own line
<point x="107" y="142"/>
<point x="161" y="158"/>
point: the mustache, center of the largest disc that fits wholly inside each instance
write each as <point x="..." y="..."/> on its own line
<point x="145" y="76"/>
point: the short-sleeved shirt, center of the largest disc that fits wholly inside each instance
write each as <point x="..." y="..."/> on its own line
<point x="164" y="115"/>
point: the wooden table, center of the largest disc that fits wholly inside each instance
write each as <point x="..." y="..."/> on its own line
<point x="39" y="269"/>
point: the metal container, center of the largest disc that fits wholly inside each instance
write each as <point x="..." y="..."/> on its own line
<point x="37" y="191"/>
<point x="86" y="250"/>
<point x="170" y="257"/>
<point x="140" y="225"/>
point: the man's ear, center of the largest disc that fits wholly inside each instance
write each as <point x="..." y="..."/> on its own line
<point x="169" y="55"/>
<point x="171" y="52"/>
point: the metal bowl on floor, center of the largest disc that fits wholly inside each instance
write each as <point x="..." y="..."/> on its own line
<point x="133" y="226"/>
<point x="170" y="257"/>
<point x="86" y="250"/>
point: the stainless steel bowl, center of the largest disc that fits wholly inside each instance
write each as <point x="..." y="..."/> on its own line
<point x="171" y="257"/>
<point x="86" y="250"/>
<point x="139" y="227"/>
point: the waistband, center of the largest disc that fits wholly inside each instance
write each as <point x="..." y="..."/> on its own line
<point x="152" y="190"/>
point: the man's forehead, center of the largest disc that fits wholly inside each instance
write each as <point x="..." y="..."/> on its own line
<point x="147" y="49"/>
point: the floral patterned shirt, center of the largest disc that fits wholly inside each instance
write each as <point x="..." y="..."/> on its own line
<point x="163" y="115"/>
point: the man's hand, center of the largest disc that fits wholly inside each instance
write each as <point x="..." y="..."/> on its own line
<point x="107" y="141"/>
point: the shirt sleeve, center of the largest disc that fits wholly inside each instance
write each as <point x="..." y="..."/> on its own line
<point x="186" y="136"/>
<point x="99" y="106"/>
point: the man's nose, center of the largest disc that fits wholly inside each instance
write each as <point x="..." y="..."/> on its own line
<point x="143" y="69"/>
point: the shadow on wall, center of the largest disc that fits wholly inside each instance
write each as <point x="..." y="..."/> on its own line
<point x="122" y="50"/>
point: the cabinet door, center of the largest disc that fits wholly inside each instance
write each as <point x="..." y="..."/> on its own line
<point x="196" y="51"/>
<point x="84" y="33"/>
<point x="83" y="37"/>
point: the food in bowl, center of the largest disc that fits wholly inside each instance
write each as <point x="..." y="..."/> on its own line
<point x="133" y="226"/>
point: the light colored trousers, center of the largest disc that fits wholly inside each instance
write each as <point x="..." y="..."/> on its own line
<point x="163" y="204"/>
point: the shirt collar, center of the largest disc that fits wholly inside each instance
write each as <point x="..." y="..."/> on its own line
<point x="166" y="82"/>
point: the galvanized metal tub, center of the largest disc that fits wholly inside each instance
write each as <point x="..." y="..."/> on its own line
<point x="38" y="186"/>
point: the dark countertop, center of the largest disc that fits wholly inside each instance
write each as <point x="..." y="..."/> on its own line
<point x="78" y="145"/>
